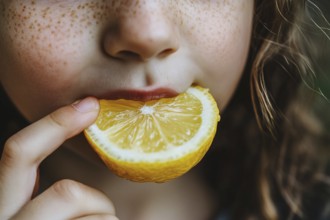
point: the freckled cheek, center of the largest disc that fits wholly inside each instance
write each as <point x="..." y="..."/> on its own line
<point x="45" y="65"/>
<point x="37" y="79"/>
<point x="42" y="64"/>
<point x="224" y="52"/>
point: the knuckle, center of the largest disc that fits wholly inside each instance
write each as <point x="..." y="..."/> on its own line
<point x="69" y="190"/>
<point x="60" y="119"/>
<point x="13" y="152"/>
<point x="55" y="118"/>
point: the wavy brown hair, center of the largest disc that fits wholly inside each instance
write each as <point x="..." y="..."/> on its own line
<point x="274" y="170"/>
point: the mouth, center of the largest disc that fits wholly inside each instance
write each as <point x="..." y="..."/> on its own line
<point x="139" y="95"/>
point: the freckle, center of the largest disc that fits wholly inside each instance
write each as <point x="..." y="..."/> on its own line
<point x="45" y="12"/>
<point x="73" y="13"/>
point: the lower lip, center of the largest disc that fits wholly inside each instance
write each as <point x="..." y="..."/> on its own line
<point x="139" y="95"/>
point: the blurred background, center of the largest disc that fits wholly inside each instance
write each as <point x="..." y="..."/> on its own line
<point x="322" y="67"/>
<point x="324" y="63"/>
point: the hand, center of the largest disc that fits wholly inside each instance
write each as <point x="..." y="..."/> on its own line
<point x="23" y="153"/>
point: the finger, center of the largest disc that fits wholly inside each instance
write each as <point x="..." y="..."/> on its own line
<point x="98" y="217"/>
<point x="24" y="151"/>
<point x="67" y="199"/>
<point x="36" y="185"/>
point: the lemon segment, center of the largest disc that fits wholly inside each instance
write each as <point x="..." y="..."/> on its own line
<point x="158" y="140"/>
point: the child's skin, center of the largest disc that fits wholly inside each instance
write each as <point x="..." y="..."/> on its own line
<point x="53" y="53"/>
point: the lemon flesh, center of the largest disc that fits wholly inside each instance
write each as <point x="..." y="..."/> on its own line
<point x="158" y="140"/>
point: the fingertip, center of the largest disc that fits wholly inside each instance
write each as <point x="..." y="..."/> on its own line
<point x="85" y="105"/>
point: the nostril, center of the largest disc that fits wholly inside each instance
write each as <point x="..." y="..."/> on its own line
<point x="166" y="52"/>
<point x="133" y="56"/>
<point x="127" y="55"/>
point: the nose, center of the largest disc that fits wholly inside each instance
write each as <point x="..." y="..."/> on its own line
<point x="141" y="32"/>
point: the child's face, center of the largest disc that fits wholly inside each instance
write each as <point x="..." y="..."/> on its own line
<point x="53" y="52"/>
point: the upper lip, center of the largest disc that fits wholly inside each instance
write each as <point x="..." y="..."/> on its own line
<point x="139" y="95"/>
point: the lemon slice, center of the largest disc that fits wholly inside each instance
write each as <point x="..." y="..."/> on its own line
<point x="158" y="140"/>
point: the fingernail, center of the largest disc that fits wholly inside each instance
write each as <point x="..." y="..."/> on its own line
<point x="86" y="105"/>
